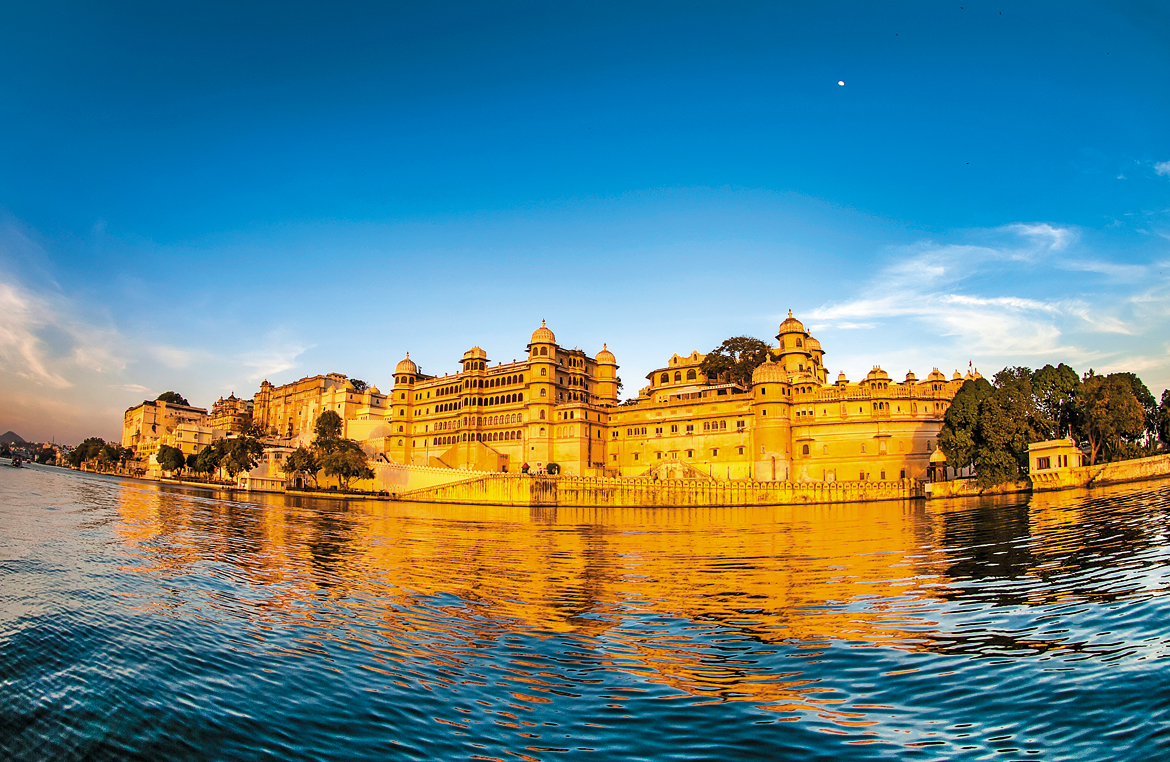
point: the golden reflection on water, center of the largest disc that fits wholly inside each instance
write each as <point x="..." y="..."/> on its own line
<point x="434" y="582"/>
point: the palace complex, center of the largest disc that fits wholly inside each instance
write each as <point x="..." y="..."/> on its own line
<point x="561" y="405"/>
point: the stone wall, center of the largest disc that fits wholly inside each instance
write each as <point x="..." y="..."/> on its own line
<point x="578" y="491"/>
<point x="1102" y="474"/>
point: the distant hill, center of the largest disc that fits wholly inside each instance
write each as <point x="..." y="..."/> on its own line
<point x="11" y="438"/>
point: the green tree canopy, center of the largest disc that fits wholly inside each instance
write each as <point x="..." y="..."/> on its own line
<point x="958" y="438"/>
<point x="735" y="359"/>
<point x="1164" y="418"/>
<point x="1147" y="400"/>
<point x="1056" y="392"/>
<point x="328" y="425"/>
<point x="347" y="465"/>
<point x="207" y="460"/>
<point x="358" y="385"/>
<point x="170" y="458"/>
<point x="173" y="398"/>
<point x="1110" y="413"/>
<point x="88" y="450"/>
<point x="302" y="461"/>
<point x="239" y="454"/>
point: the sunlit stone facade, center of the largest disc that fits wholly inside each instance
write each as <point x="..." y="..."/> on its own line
<point x="291" y="410"/>
<point x="232" y="414"/>
<point x="144" y="425"/>
<point x="560" y="405"/>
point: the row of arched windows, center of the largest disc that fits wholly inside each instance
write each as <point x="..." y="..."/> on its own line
<point x="404" y="379"/>
<point x="492" y="383"/>
<point x="542" y="351"/>
<point x="678" y="376"/>
<point x="473" y="365"/>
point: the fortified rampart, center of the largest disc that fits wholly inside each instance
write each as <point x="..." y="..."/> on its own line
<point x="589" y="492"/>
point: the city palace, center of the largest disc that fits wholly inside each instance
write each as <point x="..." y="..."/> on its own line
<point x="561" y="406"/>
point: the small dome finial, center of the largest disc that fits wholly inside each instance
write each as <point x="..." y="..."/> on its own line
<point x="789" y="313"/>
<point x="542" y="323"/>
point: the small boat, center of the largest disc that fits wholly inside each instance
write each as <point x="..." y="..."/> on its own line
<point x="17" y="462"/>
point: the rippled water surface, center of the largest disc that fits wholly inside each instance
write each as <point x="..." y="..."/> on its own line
<point x="139" y="621"/>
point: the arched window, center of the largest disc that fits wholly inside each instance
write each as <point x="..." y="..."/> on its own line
<point x="542" y="418"/>
<point x="799" y="343"/>
<point x="543" y="372"/>
<point x="543" y="351"/>
<point x="678" y="375"/>
<point x="691" y="375"/>
<point x="665" y="378"/>
<point x="542" y="392"/>
<point x="804" y="450"/>
<point x="520" y="397"/>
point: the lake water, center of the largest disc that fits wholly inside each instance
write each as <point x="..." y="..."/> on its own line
<point x="141" y="621"/>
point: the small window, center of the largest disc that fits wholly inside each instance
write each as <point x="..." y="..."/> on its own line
<point x="678" y="375"/>
<point x="658" y="455"/>
<point x="635" y="456"/>
<point x="804" y="450"/>
<point x="691" y="375"/>
<point x="715" y="453"/>
<point x="741" y="451"/>
<point x="664" y="378"/>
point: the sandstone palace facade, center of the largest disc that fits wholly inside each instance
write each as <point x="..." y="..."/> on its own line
<point x="561" y="405"/>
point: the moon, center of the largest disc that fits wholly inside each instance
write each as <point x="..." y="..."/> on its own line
<point x="841" y="82"/>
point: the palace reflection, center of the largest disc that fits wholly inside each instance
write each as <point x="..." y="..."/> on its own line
<point x="678" y="597"/>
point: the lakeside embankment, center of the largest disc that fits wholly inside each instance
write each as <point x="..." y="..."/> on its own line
<point x="426" y="484"/>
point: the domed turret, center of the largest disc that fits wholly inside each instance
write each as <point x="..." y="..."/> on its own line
<point x="957" y="377"/>
<point x="475" y="353"/>
<point x="910" y="377"/>
<point x="841" y="379"/>
<point x="406" y="365"/>
<point x="877" y="374"/>
<point x="769" y="372"/>
<point x="791" y="325"/>
<point x="543" y="335"/>
<point x="605" y="357"/>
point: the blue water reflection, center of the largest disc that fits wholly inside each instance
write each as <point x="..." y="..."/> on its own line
<point x="139" y="621"/>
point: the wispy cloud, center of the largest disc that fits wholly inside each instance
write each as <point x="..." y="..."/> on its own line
<point x="1162" y="168"/>
<point x="993" y="301"/>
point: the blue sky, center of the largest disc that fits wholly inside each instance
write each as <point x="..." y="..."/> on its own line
<point x="200" y="196"/>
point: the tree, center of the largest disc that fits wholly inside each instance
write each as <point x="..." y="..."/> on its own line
<point x="358" y="385"/>
<point x="346" y="465"/>
<point x="173" y="398"/>
<point x="170" y="458"/>
<point x="207" y="460"/>
<point x="1056" y="392"/>
<point x="1164" y="418"/>
<point x="302" y="461"/>
<point x="735" y="359"/>
<point x="239" y="455"/>
<point x="1109" y="413"/>
<point x="328" y="425"/>
<point x="45" y="454"/>
<point x="1148" y="402"/>
<point x="552" y="469"/>
<point x="88" y="450"/>
<point x="958" y="438"/>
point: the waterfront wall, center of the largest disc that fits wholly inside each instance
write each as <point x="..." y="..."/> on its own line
<point x="1101" y="474"/>
<point x="588" y="492"/>
<point x="969" y="487"/>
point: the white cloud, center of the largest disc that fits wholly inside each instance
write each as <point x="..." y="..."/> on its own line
<point x="1001" y="304"/>
<point x="1046" y="236"/>
<point x="22" y="350"/>
<point x="1162" y="168"/>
